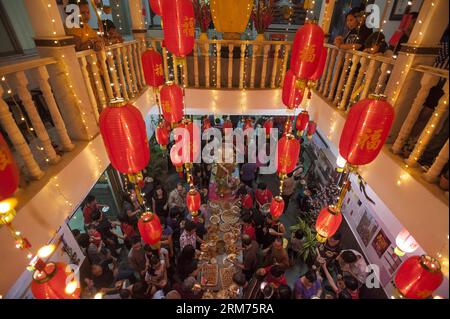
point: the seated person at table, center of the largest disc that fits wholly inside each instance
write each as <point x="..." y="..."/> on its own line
<point x="357" y="32"/>
<point x="263" y="195"/>
<point x="85" y="37"/>
<point x="308" y="286"/>
<point x="110" y="33"/>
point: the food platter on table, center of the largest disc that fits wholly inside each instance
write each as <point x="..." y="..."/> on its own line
<point x="225" y="228"/>
<point x="233" y="249"/>
<point x="229" y="237"/>
<point x="213" y="237"/>
<point x="226" y="277"/>
<point x="214" y="205"/>
<point x="214" y="219"/>
<point x="229" y="217"/>
<point x="208" y="295"/>
<point x="229" y="260"/>
<point x="209" y="275"/>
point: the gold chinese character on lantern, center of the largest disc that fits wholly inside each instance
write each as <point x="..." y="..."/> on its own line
<point x="370" y="139"/>
<point x="308" y="54"/>
<point x="189" y="27"/>
<point x="166" y="106"/>
<point x="159" y="70"/>
<point x="4" y="159"/>
<point x="286" y="161"/>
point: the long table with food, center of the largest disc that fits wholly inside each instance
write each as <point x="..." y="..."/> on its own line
<point x="221" y="248"/>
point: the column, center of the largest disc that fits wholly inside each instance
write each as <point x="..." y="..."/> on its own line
<point x="326" y="14"/>
<point x="137" y="19"/>
<point x="51" y="41"/>
<point x="421" y="48"/>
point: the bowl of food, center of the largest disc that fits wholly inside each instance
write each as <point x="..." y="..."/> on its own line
<point x="224" y="228"/>
<point x="215" y="220"/>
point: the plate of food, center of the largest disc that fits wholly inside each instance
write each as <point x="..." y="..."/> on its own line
<point x="222" y="294"/>
<point x="229" y="237"/>
<point x="229" y="217"/>
<point x="225" y="228"/>
<point x="233" y="249"/>
<point x="213" y="237"/>
<point x="229" y="260"/>
<point x="226" y="276"/>
<point x="210" y="274"/>
<point x="214" y="205"/>
<point x="208" y="295"/>
<point x="214" y="219"/>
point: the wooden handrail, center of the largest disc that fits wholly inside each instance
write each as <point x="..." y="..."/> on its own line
<point x="234" y="42"/>
<point x="26" y="65"/>
<point x="442" y="73"/>
<point x="86" y="53"/>
<point x="379" y="58"/>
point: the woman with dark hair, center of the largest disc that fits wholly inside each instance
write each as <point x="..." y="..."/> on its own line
<point x="187" y="264"/>
<point x="130" y="209"/>
<point x="357" y="33"/>
<point x="159" y="202"/>
<point x="308" y="286"/>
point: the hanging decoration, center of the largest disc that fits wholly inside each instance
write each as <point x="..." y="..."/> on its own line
<point x="418" y="277"/>
<point x="312" y="128"/>
<point x="162" y="134"/>
<point x="156" y="6"/>
<point x="150" y="228"/>
<point x="206" y="124"/>
<point x="302" y="122"/>
<point x="288" y="152"/>
<point x="319" y="70"/>
<point x="231" y="16"/>
<point x="179" y="26"/>
<point x="406" y="243"/>
<point x="366" y="129"/>
<point x="277" y="207"/>
<point x="306" y="51"/>
<point x="125" y="137"/>
<point x="291" y="96"/>
<point x="152" y="64"/>
<point x="193" y="201"/>
<point x="172" y="102"/>
<point x="268" y="126"/>
<point x="327" y="223"/>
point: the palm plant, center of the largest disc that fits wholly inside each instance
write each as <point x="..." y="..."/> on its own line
<point x="308" y="252"/>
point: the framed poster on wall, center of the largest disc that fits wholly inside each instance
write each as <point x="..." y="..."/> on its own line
<point x="381" y="243"/>
<point x="367" y="227"/>
<point x="399" y="8"/>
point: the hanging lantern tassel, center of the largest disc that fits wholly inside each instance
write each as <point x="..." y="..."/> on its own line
<point x="138" y="181"/>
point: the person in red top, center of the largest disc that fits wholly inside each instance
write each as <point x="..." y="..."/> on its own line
<point x="128" y="230"/>
<point x="90" y="205"/>
<point x="263" y="195"/>
<point x="246" y="198"/>
<point x="346" y="287"/>
<point x="274" y="275"/>
<point x="248" y="228"/>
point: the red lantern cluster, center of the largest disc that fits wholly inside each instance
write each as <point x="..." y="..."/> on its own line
<point x="288" y="152"/>
<point x="302" y="122"/>
<point x="9" y="173"/>
<point x="306" y="51"/>
<point x="150" y="228"/>
<point x="291" y="95"/>
<point x="152" y="63"/>
<point x="172" y="103"/>
<point x="50" y="281"/>
<point x="418" y="277"/>
<point x="179" y="26"/>
<point x="156" y="6"/>
<point x="366" y="130"/>
<point x="277" y="207"/>
<point x="327" y="223"/>
<point x="162" y="135"/>
<point x="193" y="201"/>
<point x="125" y="137"/>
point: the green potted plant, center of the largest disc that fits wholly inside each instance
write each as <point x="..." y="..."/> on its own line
<point x="308" y="253"/>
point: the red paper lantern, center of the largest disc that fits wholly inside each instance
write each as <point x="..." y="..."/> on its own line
<point x="247" y="124"/>
<point x="152" y="63"/>
<point x="156" y="6"/>
<point x="366" y="130"/>
<point x="288" y="151"/>
<point x="193" y="201"/>
<point x="125" y="137"/>
<point x="312" y="128"/>
<point x="172" y="102"/>
<point x="277" y="207"/>
<point x="194" y="137"/>
<point x="9" y="173"/>
<point x="51" y="281"/>
<point x="291" y="95"/>
<point x="306" y="51"/>
<point x="206" y="124"/>
<point x="320" y="67"/>
<point x="302" y="122"/>
<point x="179" y="26"/>
<point x="327" y="223"/>
<point x="418" y="277"/>
<point x="162" y="135"/>
<point x="150" y="228"/>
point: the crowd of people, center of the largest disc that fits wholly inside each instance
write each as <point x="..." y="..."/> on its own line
<point x="123" y="266"/>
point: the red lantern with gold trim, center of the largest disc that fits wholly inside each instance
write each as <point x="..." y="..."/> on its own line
<point x="277" y="207"/>
<point x="52" y="281"/>
<point x="291" y="96"/>
<point x="320" y="67"/>
<point x="9" y="173"/>
<point x="172" y="102"/>
<point x="125" y="137"/>
<point x="312" y="128"/>
<point x="268" y="125"/>
<point x="418" y="277"/>
<point x="227" y="124"/>
<point x="327" y="223"/>
<point x="288" y="151"/>
<point x="193" y="201"/>
<point x="306" y="51"/>
<point x="162" y="135"/>
<point x="156" y="6"/>
<point x="247" y="124"/>
<point x="179" y="26"/>
<point x="194" y="137"/>
<point x="302" y="122"/>
<point x="152" y="63"/>
<point x="150" y="228"/>
<point x="366" y="130"/>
